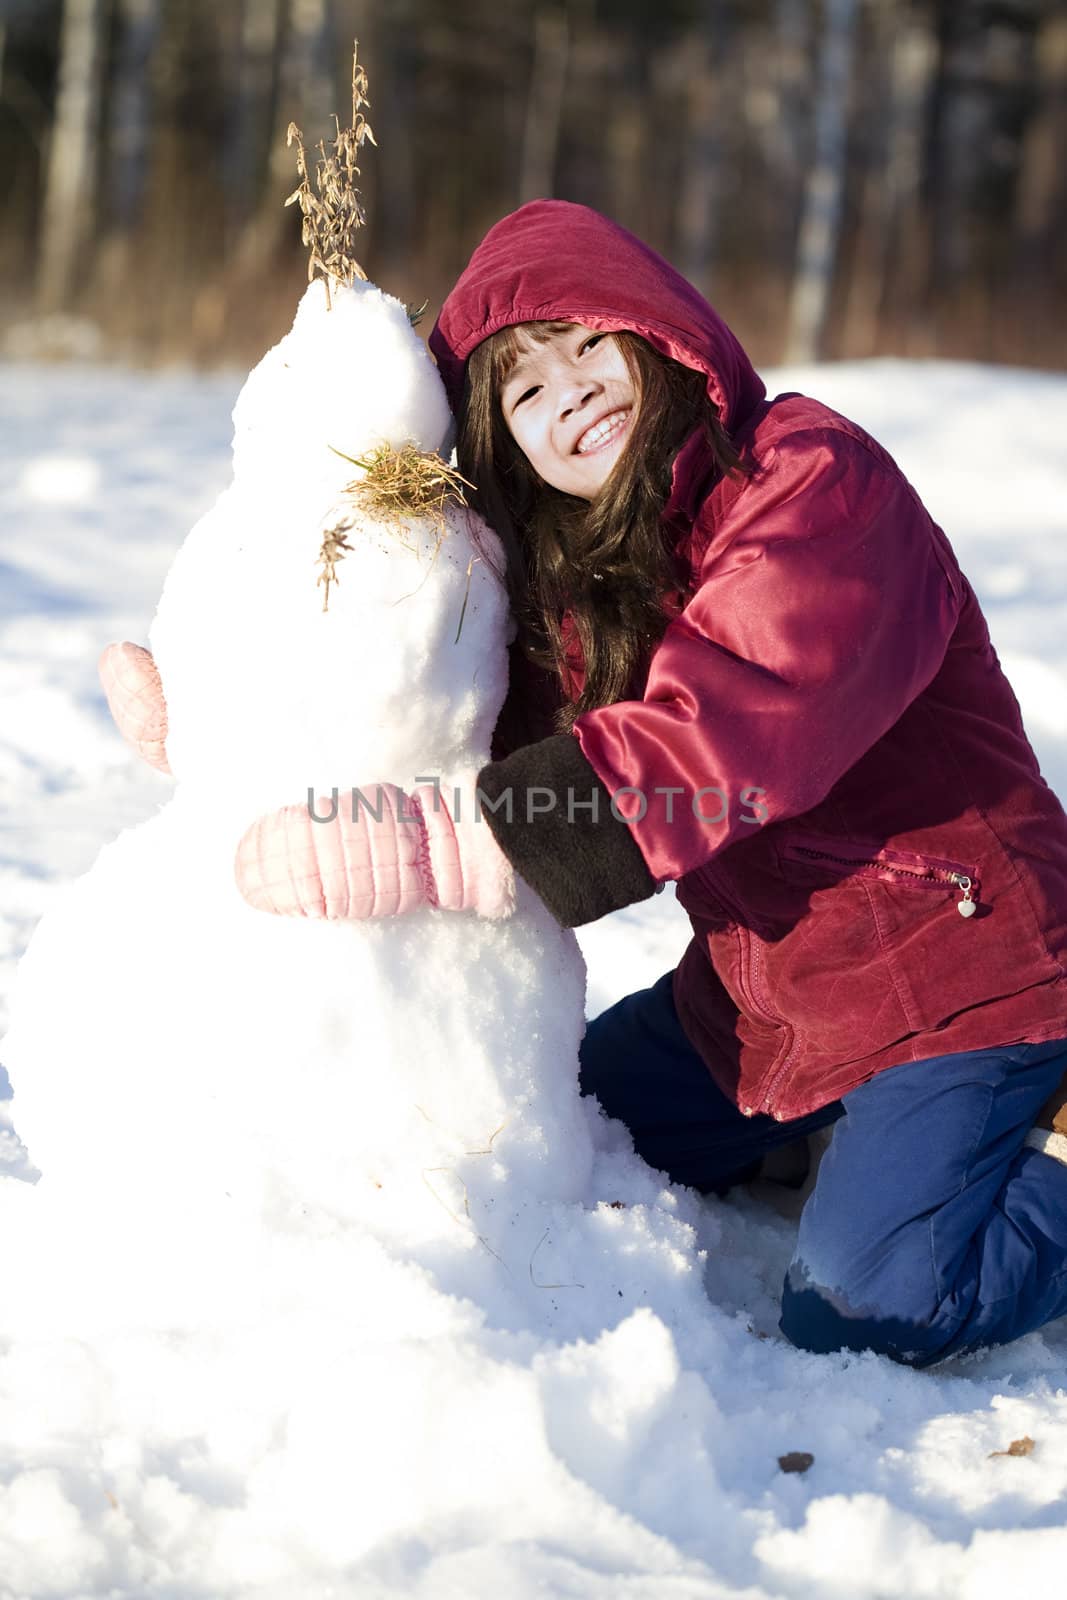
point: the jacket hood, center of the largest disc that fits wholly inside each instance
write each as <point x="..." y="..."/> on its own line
<point x="555" y="261"/>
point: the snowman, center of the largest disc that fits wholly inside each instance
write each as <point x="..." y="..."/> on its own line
<point x="326" y="648"/>
<point x="327" y="1255"/>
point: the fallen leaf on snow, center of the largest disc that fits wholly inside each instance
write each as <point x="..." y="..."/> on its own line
<point x="1018" y="1447"/>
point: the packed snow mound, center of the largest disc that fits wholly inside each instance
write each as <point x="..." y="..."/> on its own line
<point x="569" y="1382"/>
<point x="350" y="374"/>
<point x="275" y="684"/>
<point x="318" y="1163"/>
<point x="310" y="1088"/>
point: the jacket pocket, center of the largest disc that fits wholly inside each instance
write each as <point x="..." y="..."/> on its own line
<point x="929" y="961"/>
<point x="839" y="858"/>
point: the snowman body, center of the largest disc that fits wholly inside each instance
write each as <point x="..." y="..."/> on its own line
<point x="413" y="1078"/>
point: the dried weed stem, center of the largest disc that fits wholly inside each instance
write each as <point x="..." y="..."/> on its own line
<point x="332" y="209"/>
<point x="396" y="485"/>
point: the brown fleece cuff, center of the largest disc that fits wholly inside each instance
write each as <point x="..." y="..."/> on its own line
<point x="552" y="817"/>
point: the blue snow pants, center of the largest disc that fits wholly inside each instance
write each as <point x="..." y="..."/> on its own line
<point x="930" y="1231"/>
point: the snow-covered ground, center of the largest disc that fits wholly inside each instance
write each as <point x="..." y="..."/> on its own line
<point x="641" y="1458"/>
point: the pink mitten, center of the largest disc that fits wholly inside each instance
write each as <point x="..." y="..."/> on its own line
<point x="135" y="697"/>
<point x="394" y="854"/>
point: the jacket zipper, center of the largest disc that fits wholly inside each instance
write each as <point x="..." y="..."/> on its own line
<point x="931" y="875"/>
<point x="759" y="999"/>
<point x="751" y="986"/>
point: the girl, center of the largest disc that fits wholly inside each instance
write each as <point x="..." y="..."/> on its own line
<point x="748" y="663"/>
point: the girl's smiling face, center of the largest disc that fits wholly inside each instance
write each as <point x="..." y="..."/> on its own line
<point x="568" y="403"/>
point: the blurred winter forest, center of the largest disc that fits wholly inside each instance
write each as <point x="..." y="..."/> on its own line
<point x="841" y="177"/>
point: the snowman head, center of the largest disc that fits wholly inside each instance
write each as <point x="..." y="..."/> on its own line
<point x="351" y="374"/>
<point x="405" y="670"/>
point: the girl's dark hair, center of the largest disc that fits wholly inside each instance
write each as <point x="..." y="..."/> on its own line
<point x="606" y="561"/>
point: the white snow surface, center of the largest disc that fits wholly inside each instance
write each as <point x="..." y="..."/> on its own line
<point x="333" y="1286"/>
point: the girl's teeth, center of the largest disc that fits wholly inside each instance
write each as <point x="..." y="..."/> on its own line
<point x="598" y="434"/>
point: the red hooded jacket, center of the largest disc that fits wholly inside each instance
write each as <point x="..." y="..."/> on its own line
<point x="842" y="746"/>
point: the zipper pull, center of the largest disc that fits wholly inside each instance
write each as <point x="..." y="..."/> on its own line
<point x="965" y="907"/>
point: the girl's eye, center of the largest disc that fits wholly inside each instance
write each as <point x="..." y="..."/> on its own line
<point x="587" y="344"/>
<point x="524" y="396"/>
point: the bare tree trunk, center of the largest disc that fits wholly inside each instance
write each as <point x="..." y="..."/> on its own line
<point x="890" y="243"/>
<point x="544" y="104"/>
<point x="305" y="94"/>
<point x="248" y="150"/>
<point x="1041" y="184"/>
<point x="625" y="139"/>
<point x="309" y="68"/>
<point x="961" y="135"/>
<point x="700" y="177"/>
<point x="820" y="224"/>
<point x="129" y="135"/>
<point x="984" y="88"/>
<point x="866" y="234"/>
<point x="904" y="257"/>
<point x="72" y="151"/>
<point x="391" y="49"/>
<point x="791" y="125"/>
<point x="128" y="146"/>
